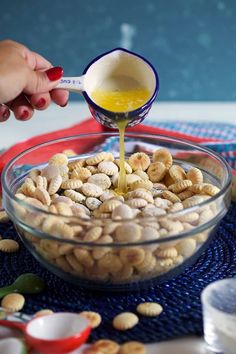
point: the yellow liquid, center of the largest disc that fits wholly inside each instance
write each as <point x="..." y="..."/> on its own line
<point x="121" y="101"/>
<point x="122" y="186"/>
<point x="121" y="95"/>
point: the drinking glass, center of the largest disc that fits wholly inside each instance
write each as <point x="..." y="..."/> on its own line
<point x="219" y="316"/>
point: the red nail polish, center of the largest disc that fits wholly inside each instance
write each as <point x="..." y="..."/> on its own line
<point x="64" y="105"/>
<point x="41" y="103"/>
<point x="24" y="115"/>
<point x="54" y="73"/>
<point x="6" y="114"/>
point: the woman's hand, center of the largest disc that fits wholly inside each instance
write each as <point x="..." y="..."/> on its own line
<point x="27" y="82"/>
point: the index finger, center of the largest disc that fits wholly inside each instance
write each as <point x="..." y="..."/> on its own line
<point x="38" y="62"/>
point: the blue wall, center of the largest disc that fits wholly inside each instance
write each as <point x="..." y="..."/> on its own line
<point x="192" y="43"/>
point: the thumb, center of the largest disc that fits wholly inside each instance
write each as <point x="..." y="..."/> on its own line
<point x="43" y="81"/>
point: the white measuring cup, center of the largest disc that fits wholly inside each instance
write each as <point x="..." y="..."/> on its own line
<point x="118" y="62"/>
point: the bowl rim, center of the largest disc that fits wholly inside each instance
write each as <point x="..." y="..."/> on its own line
<point x="133" y="134"/>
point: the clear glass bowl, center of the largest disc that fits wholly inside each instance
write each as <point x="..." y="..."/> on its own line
<point x="118" y="265"/>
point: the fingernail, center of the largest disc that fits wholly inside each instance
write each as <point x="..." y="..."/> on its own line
<point x="24" y="115"/>
<point x="41" y="103"/>
<point x="6" y="114"/>
<point x="64" y="105"/>
<point x="54" y="73"/>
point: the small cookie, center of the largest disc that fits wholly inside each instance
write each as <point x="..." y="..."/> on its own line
<point x="156" y="171"/>
<point x="124" y="321"/>
<point x="109" y="205"/>
<point x="9" y="246"/>
<point x="195" y="175"/>
<point x="72" y="184"/>
<point x="75" y="196"/>
<point x="180" y="186"/>
<point x="132" y="348"/>
<point x="101" y="180"/>
<point x="4" y="218"/>
<point x="13" y="302"/>
<point x="55" y="184"/>
<point x="94" y="318"/>
<point x="92" y="203"/>
<point x="91" y="190"/>
<point x="171" y="197"/>
<point x="43" y="312"/>
<point x="132" y="256"/>
<point x="164" y="156"/>
<point x="139" y="161"/>
<point x="101" y="156"/>
<point x="81" y="173"/>
<point x="42" y="195"/>
<point x="106" y="346"/>
<point x="58" y="160"/>
<point x="177" y="173"/>
<point x="122" y="211"/>
<point x="109" y="168"/>
<point x="149" y="309"/>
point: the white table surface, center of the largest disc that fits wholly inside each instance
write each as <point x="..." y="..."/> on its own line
<point x="56" y="117"/>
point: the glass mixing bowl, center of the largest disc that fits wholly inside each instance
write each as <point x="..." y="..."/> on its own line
<point x="112" y="264"/>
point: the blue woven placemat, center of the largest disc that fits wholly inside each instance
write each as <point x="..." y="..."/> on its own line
<point x="179" y="297"/>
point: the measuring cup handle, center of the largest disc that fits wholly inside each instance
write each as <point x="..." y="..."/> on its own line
<point x="13" y="324"/>
<point x="74" y="84"/>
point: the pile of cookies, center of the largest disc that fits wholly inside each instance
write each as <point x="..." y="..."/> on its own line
<point x="79" y="201"/>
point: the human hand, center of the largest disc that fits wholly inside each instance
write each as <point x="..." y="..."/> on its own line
<point x="27" y="82"/>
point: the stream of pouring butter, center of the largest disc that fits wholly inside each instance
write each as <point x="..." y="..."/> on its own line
<point x="121" y="95"/>
<point x="122" y="185"/>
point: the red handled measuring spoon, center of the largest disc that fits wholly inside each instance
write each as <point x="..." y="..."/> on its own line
<point x="58" y="333"/>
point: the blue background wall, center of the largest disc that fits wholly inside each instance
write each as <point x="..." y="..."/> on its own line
<point x="192" y="43"/>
